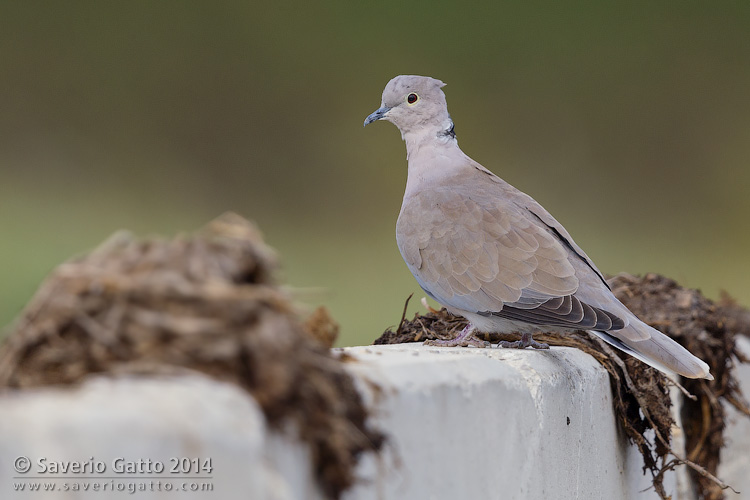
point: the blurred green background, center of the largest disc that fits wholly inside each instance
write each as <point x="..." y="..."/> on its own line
<point x="629" y="122"/>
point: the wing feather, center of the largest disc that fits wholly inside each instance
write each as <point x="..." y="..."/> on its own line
<point x="480" y="253"/>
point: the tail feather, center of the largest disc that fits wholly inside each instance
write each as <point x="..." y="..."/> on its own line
<point x="658" y="351"/>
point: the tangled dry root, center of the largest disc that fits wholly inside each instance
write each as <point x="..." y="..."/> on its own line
<point x="204" y="302"/>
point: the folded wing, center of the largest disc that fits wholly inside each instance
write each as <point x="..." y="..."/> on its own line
<point x="479" y="253"/>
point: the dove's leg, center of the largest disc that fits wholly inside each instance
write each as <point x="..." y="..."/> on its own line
<point x="464" y="339"/>
<point x="526" y="341"/>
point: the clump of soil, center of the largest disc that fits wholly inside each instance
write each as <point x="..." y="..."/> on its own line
<point x="205" y="302"/>
<point x="641" y="393"/>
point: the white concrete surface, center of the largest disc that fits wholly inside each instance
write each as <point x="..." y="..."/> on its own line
<point x="464" y="423"/>
<point x="135" y="419"/>
<point x="735" y="458"/>
<point x="494" y="424"/>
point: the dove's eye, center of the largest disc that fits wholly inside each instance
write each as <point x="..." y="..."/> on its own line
<point x="412" y="98"/>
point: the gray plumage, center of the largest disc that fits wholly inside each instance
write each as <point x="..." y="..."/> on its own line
<point x="490" y="253"/>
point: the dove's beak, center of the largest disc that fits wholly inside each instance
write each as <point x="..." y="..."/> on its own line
<point x="377" y="115"/>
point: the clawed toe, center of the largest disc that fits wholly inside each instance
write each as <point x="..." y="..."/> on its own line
<point x="477" y="343"/>
<point x="526" y="341"/>
<point x="457" y="342"/>
<point x="442" y="343"/>
<point x="538" y="345"/>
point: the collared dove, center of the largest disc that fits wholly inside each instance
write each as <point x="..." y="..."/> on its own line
<point x="490" y="253"/>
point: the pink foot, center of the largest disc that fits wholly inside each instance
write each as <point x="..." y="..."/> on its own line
<point x="526" y="341"/>
<point x="464" y="339"/>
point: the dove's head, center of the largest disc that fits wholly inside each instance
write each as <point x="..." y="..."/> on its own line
<point x="414" y="104"/>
